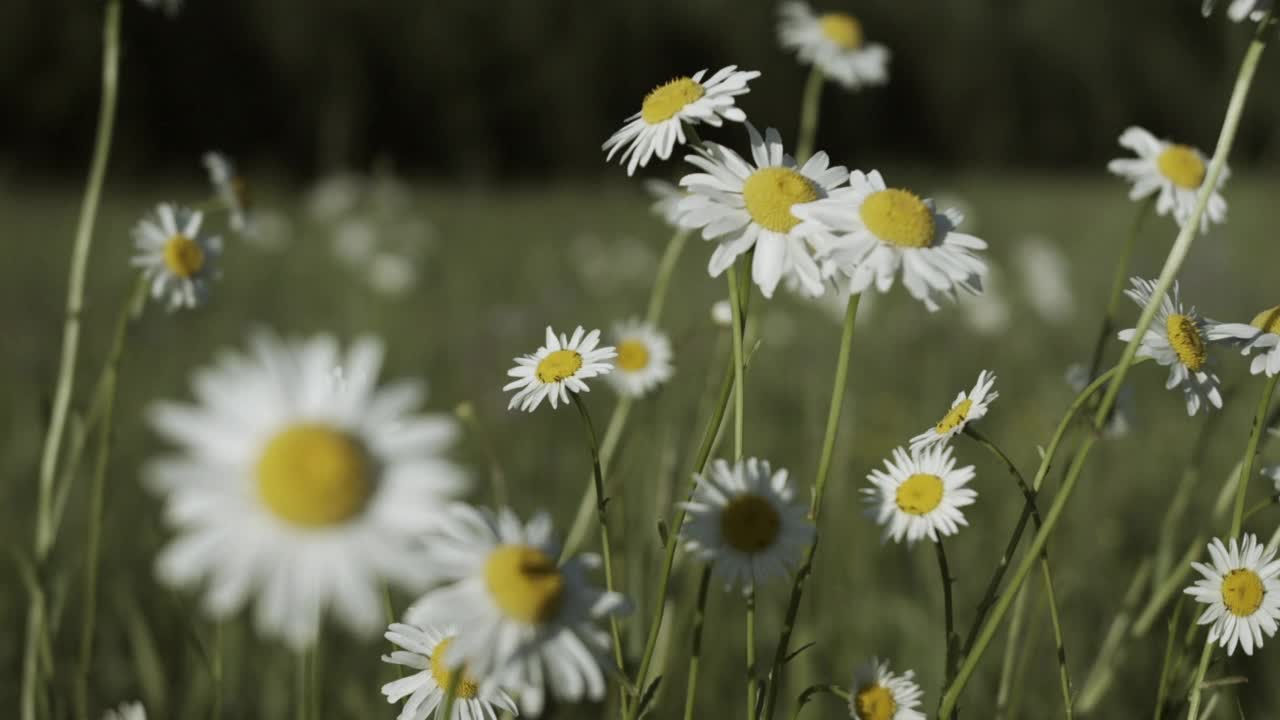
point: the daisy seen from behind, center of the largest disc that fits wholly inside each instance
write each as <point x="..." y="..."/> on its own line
<point x="230" y="188"/>
<point x="660" y="123"/>
<point x="743" y="205"/>
<point x="300" y="485"/>
<point x="834" y="44"/>
<point x="644" y="358"/>
<point x="178" y="262"/>
<point x="558" y="368"/>
<point x="878" y="694"/>
<point x="966" y="408"/>
<point x="1239" y="10"/>
<point x="1242" y="589"/>
<point x="424" y="649"/>
<point x="1171" y="172"/>
<point x="919" y="494"/>
<point x="1261" y="336"/>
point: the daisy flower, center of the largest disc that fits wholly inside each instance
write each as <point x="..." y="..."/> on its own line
<point x="1242" y="590"/>
<point x="644" y="358"/>
<point x="877" y="694"/>
<point x="176" y="259"/>
<point x="300" y="484"/>
<point x="742" y="520"/>
<point x="1262" y="335"/>
<point x="231" y="189"/>
<point x="1175" y="172"/>
<point x="920" y="494"/>
<point x="722" y="313"/>
<point x="558" y="368"/>
<point x="1240" y="9"/>
<point x="665" y="110"/>
<point x="869" y="231"/>
<point x="742" y="206"/>
<point x="666" y="200"/>
<point x="127" y="711"/>
<point x="967" y="407"/>
<point x="424" y="651"/>
<point x="833" y="43"/>
<point x="1179" y="338"/>
<point x="527" y="618"/>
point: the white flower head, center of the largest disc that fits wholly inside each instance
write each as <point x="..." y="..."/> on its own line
<point x="835" y="44"/>
<point x="919" y="494"/>
<point x="966" y="408"/>
<point x="177" y="260"/>
<point x="1242" y="590"/>
<point x="644" y="358"/>
<point x="1239" y="10"/>
<point x="878" y="694"/>
<point x="1046" y="278"/>
<point x="666" y="200"/>
<point x="558" y="368"/>
<point x="660" y="123"/>
<point x="127" y="711"/>
<point x="722" y="313"/>
<point x="231" y="189"/>
<point x="1261" y="336"/>
<point x="1172" y="172"/>
<point x="425" y="650"/>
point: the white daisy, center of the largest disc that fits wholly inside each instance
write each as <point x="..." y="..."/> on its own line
<point x="177" y="260"/>
<point x="1179" y="338"/>
<point x="868" y="231"/>
<point x="744" y="206"/>
<point x="644" y="358"/>
<point x="967" y="407"/>
<point x="424" y="650"/>
<point x="877" y="694"/>
<point x="920" y="494"/>
<point x="742" y="520"/>
<point x="1242" y="590"/>
<point x="1046" y="279"/>
<point x="722" y="313"/>
<point x="127" y="711"/>
<point x="834" y="43"/>
<point x="665" y="110"/>
<point x="1261" y="335"/>
<point x="558" y="368"/>
<point x="666" y="200"/>
<point x="528" y="620"/>
<point x="1240" y="9"/>
<point x="301" y="485"/>
<point x="230" y="188"/>
<point x="1174" y="171"/>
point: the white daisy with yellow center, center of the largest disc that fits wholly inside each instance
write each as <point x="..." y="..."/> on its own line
<point x="966" y="408"/>
<point x="743" y="520"/>
<point x="644" y="358"/>
<point x="1239" y="10"/>
<point x="869" y="231"/>
<point x="666" y="200"/>
<point x="178" y="262"/>
<point x="834" y="43"/>
<point x="1179" y="338"/>
<point x="660" y="123"/>
<point x="919" y="494"/>
<point x="558" y="368"/>
<point x="426" y="650"/>
<point x="1261" y="336"/>
<point x="526" y="619"/>
<point x="1172" y="172"/>
<point x="1242" y="590"/>
<point x="127" y="711"/>
<point x="877" y="694"/>
<point x="230" y="187"/>
<point x="300" y="484"/>
<point x="743" y="206"/>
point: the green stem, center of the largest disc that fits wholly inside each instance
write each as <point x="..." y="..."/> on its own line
<point x="1118" y="282"/>
<point x="1251" y="453"/>
<point x="1197" y="683"/>
<point x="216" y="670"/>
<point x="1168" y="588"/>
<point x="751" y="655"/>
<point x="666" y="268"/>
<point x="809" y="115"/>
<point x="739" y="389"/>
<point x="948" y="614"/>
<point x="699" y="619"/>
<point x="497" y="478"/>
<point x="1166" y="667"/>
<point x="301" y="678"/>
<point x="812" y="690"/>
<point x="1100" y="676"/>
<point x="1012" y="643"/>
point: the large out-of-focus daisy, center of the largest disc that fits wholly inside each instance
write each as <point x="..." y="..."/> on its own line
<point x="1242" y="590"/>
<point x="301" y="485"/>
<point x="558" y="368"/>
<point x="877" y="694"/>
<point x="743" y="205"/>
<point x="1238" y="10"/>
<point x="526" y="621"/>
<point x="127" y="711"/>
<point x="230" y="188"/>
<point x="659" y="124"/>
<point x="869" y="231"/>
<point x="743" y="520"/>
<point x="644" y="358"/>
<point x="425" y="650"/>
<point x="834" y="43"/>
<point x="919" y="494"/>
<point x="1172" y="172"/>
<point x="967" y="407"/>
<point x="666" y="200"/>
<point x="1261" y="336"/>
<point x="177" y="260"/>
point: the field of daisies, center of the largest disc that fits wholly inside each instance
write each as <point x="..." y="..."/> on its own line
<point x="753" y="431"/>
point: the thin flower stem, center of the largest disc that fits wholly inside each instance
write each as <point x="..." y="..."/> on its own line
<point x="1197" y="682"/>
<point x="451" y="694"/>
<point x="314" y="681"/>
<point x="809" y="115"/>
<point x="1261" y="505"/>
<point x="751" y="655"/>
<point x="1166" y="667"/>
<point x="301" y="693"/>
<point x="699" y="619"/>
<point x="812" y="690"/>
<point x="666" y="268"/>
<point x="1012" y="644"/>
<point x="389" y="610"/>
<point x="739" y="389"/>
<point x="1100" y="676"/>
<point x="216" y="674"/>
<point x="948" y="614"/>
<point x="1251" y="453"/>
<point x="466" y="412"/>
<point x="1118" y="281"/>
<point x="1168" y="588"/>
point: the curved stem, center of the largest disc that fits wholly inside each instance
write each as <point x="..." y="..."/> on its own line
<point x="1261" y="505"/>
<point x="948" y="614"/>
<point x="739" y="389"/>
<point x="812" y="690"/>
<point x="1251" y="453"/>
<point x="1118" y="282"/>
<point x="699" y="618"/>
<point x="1197" y="682"/>
<point x="666" y="268"/>
<point x="751" y="654"/>
<point x="809" y="115"/>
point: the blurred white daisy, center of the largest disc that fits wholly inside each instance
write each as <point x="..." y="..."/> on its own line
<point x="392" y="274"/>
<point x="1273" y="473"/>
<point x="919" y="494"/>
<point x="1174" y="171"/>
<point x="743" y="520"/>
<point x="1242" y="590"/>
<point x="742" y="206"/>
<point x="334" y="196"/>
<point x="558" y="368"/>
<point x="877" y="694"/>
<point x="177" y="261"/>
<point x="666" y="200"/>
<point x="231" y="189"/>
<point x="722" y="313"/>
<point x="835" y="44"/>
<point x="967" y="407"/>
<point x="526" y="618"/>
<point x="1046" y="279"/>
<point x="1179" y="338"/>
<point x="659" y="124"/>
<point x="1261" y="335"/>
<point x="1238" y="10"/>
<point x="644" y="358"/>
<point x="869" y="231"/>
<point x="1119" y="424"/>
<point x="300" y="484"/>
<point x="127" y="711"/>
<point x="991" y="312"/>
<point x="425" y="650"/>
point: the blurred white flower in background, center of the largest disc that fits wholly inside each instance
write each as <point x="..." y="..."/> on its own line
<point x="608" y="266"/>
<point x="231" y="189"/>
<point x="834" y="43"/>
<point x="272" y="230"/>
<point x="127" y="711"/>
<point x="1045" y="272"/>
<point x="989" y="313"/>
<point x="722" y="313"/>
<point x="667" y="197"/>
<point x="1238" y="10"/>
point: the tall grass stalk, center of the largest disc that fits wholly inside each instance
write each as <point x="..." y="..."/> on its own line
<point x="695" y="655"/>
<point x="809" y="111"/>
<point x="1119" y="279"/>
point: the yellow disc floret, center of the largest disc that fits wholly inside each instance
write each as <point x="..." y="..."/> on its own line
<point x="769" y="194"/>
<point x="183" y="256"/>
<point x="842" y="29"/>
<point x="468" y="688"/>
<point x="1182" y="166"/>
<point x="954" y="417"/>
<point x="1242" y="592"/>
<point x="315" y="475"/>
<point x="525" y="583"/>
<point x="1186" y="340"/>
<point x="899" y="217"/>
<point x="874" y="702"/>
<point x="1268" y="320"/>
<point x="663" y="102"/>
<point x="750" y="523"/>
<point x="633" y="355"/>
<point x="559" y="365"/>
<point x="920" y="494"/>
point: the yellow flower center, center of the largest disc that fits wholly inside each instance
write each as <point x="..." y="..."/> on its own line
<point x="525" y="583"/>
<point x="1242" y="592"/>
<point x="633" y="355"/>
<point x="467" y="689"/>
<point x="954" y="417"/>
<point x="1182" y="166"/>
<point x="183" y="256"/>
<point x="899" y="217"/>
<point x="920" y="494"/>
<point x="559" y="365"/>
<point x="1268" y="320"/>
<point x="663" y="102"/>
<point x="769" y="194"/>
<point x="315" y="475"/>
<point x="1186" y="340"/>
<point x="841" y="29"/>
<point x="874" y="702"/>
<point x="750" y="524"/>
